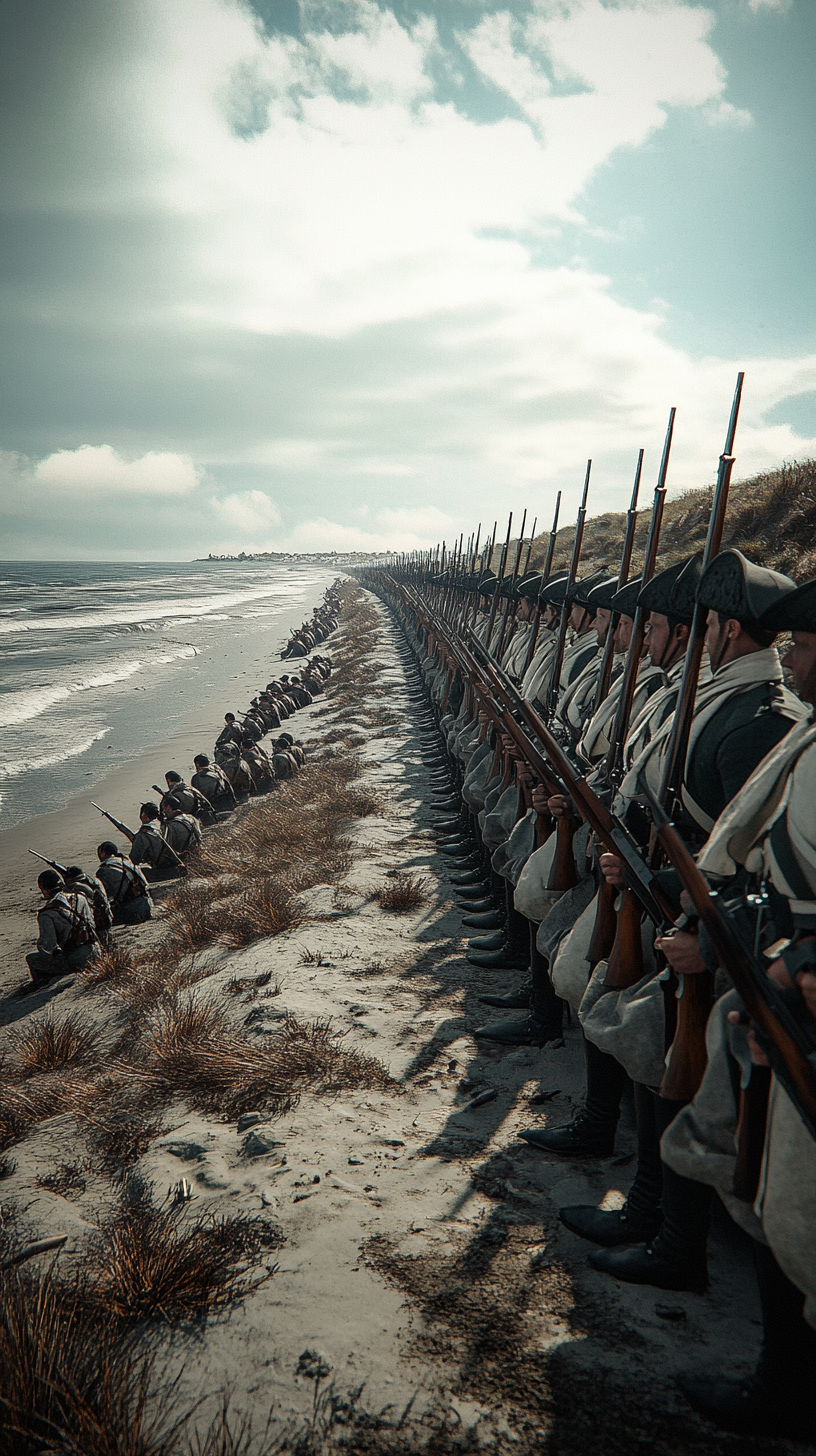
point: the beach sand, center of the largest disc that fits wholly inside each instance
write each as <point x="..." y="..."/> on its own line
<point x="423" y="1266"/>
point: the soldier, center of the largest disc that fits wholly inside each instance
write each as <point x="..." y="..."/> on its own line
<point x="125" y="885"/>
<point x="767" y="834"/>
<point x="191" y="799"/>
<point x="293" y="749"/>
<point x="741" y="713"/>
<point x="67" y="939"/>
<point x="231" y="732"/>
<point x="181" y="831"/>
<point x="212" y="782"/>
<point x="263" y="773"/>
<point x="95" y="893"/>
<point x="150" y="848"/>
<point x="237" y="770"/>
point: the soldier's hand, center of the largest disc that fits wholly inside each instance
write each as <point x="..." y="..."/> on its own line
<point x="558" y="805"/>
<point x="758" y="1057"/>
<point x="682" y="951"/>
<point x="612" y="870"/>
<point x="540" y="799"/>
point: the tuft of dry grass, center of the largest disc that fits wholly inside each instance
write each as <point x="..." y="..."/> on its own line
<point x="121" y="1138"/>
<point x="112" y="964"/>
<point x="65" y="1179"/>
<point x="155" y="1263"/>
<point x="196" y="1054"/>
<point x="405" y="892"/>
<point x="54" y="1044"/>
<point x="266" y="908"/>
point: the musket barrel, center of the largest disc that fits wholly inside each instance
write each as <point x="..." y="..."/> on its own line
<point x="565" y="610"/>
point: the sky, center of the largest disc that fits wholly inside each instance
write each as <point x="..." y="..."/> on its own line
<point x="305" y="276"/>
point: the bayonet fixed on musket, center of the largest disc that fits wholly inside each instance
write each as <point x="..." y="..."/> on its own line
<point x="55" y="865"/>
<point x="552" y="696"/>
<point x="117" y="823"/>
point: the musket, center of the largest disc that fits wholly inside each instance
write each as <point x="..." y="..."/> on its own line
<point x="61" y="870"/>
<point x="530" y="547"/>
<point x="605" y="674"/>
<point x="499" y="575"/>
<point x="117" y="823"/>
<point x="677" y="749"/>
<point x="547" y="568"/>
<point x="609" y="829"/>
<point x="552" y="696"/>
<point x="613" y="764"/>
<point x="788" y="1030"/>
<point x="510" y="595"/>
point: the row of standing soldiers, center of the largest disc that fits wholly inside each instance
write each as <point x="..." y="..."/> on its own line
<point x="749" y="815"/>
<point x="81" y="909"/>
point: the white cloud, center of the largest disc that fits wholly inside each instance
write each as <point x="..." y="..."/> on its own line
<point x="249" y="515"/>
<point x="724" y="114"/>
<point x="391" y="529"/>
<point x="92" y="469"/>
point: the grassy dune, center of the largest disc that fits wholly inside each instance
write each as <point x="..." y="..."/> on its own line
<point x="771" y="517"/>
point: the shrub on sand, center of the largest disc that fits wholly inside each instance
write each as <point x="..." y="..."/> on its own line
<point x="52" y="1044"/>
<point x="405" y="892"/>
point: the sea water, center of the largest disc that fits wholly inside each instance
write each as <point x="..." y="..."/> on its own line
<point x="105" y="660"/>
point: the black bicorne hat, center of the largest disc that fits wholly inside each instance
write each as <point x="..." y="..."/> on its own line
<point x="736" y="587"/>
<point x="487" y="583"/>
<point x="673" y="592"/>
<point x="555" y="589"/>
<point x="626" y="600"/>
<point x="597" y="593"/>
<point x="579" y="596"/>
<point x="507" y="588"/>
<point x="795" y="612"/>
<point x="530" y="586"/>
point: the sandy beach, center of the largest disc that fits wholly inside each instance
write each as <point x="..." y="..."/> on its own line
<point x="423" y="1288"/>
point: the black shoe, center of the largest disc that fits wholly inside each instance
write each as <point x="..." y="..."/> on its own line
<point x="646" y="1264"/>
<point x="582" y="1137"/>
<point x="482" y="943"/>
<point x="456" y="849"/>
<point x="610" y="1227"/>
<point x="519" y="1031"/>
<point x="504" y="959"/>
<point x="518" y="1000"/>
<point x="444" y="806"/>
<point x="485" y="920"/>
<point x="752" y="1407"/>
<point x="468" y="877"/>
<point x="478" y="904"/>
<point x="447" y="826"/>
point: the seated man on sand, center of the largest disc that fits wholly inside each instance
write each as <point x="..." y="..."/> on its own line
<point x="125" y="885"/>
<point x="67" y="939"/>
<point x="212" y="782"/>
<point x="150" y="849"/>
<point x="181" y="831"/>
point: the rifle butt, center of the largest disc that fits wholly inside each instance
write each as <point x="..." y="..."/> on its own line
<point x="625" y="964"/>
<point x="603" y="931"/>
<point x="564" y="873"/>
<point x="751" y="1127"/>
<point x="688" y="1056"/>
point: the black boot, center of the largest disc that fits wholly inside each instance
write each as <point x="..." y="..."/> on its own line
<point x="484" y="920"/>
<point x="543" y="1023"/>
<point x="518" y="1000"/>
<point x="509" y="947"/>
<point x="640" y="1218"/>
<point x="592" y="1132"/>
<point x="676" y="1258"/>
<point x="779" y="1398"/>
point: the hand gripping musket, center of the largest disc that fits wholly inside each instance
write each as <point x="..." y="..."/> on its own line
<point x="55" y="865"/>
<point x="552" y="696"/>
<point x="605" y="674"/>
<point x="616" y="935"/>
<point x="545" y="573"/>
<point x="563" y="779"/>
<point x="788" y="1030"/>
<point x="687" y="1063"/>
<point x="510" y="607"/>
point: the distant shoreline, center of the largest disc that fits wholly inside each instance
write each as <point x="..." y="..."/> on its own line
<point x="337" y="558"/>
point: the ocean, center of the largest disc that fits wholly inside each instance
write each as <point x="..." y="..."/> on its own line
<point x="104" y="660"/>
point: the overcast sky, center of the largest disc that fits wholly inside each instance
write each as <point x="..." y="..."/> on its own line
<point x="301" y="276"/>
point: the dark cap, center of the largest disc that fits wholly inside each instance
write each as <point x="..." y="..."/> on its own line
<point x="487" y="583"/>
<point x="554" y="589"/>
<point x="597" y="593"/>
<point x="736" y="587"/>
<point x="795" y="612"/>
<point x="530" y="586"/>
<point x="49" y="880"/>
<point x="625" y="601"/>
<point x="673" y="592"/>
